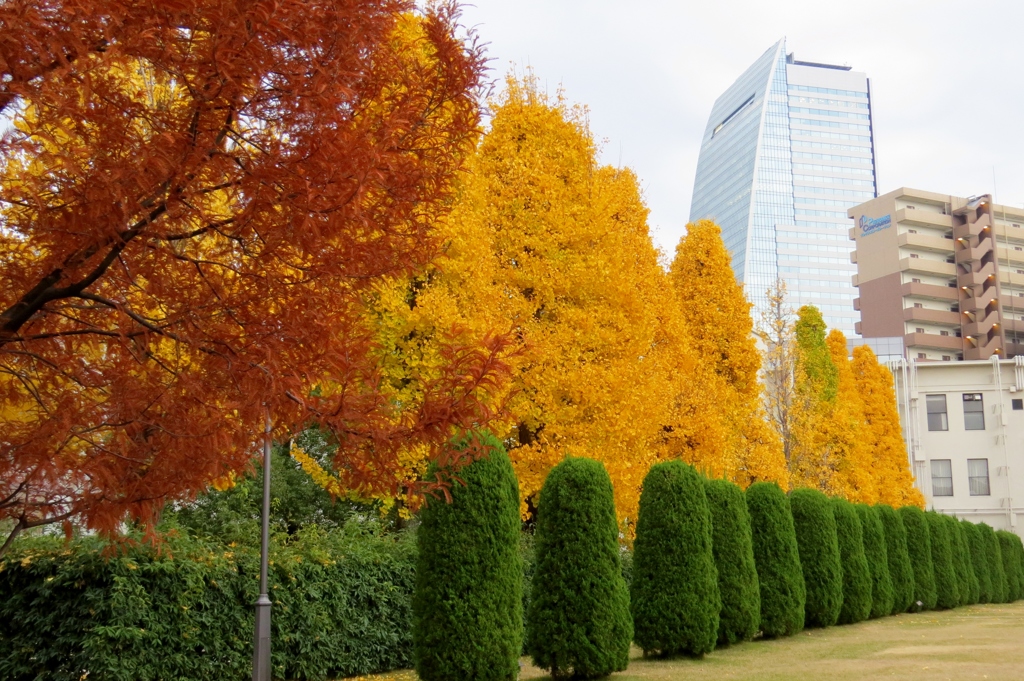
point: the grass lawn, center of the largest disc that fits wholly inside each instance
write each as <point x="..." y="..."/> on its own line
<point x="977" y="642"/>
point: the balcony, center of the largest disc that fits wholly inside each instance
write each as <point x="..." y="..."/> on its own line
<point x="925" y="218"/>
<point x="1011" y="255"/>
<point x="931" y="291"/>
<point x="926" y="266"/>
<point x="1017" y="301"/>
<point x="933" y="340"/>
<point x="923" y="314"/>
<point x="923" y="242"/>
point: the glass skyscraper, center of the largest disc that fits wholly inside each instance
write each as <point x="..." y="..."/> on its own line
<point x="787" y="150"/>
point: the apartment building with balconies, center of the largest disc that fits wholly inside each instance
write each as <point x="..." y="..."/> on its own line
<point x="944" y="273"/>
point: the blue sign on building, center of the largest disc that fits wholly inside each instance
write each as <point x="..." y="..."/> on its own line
<point x="872" y="225"/>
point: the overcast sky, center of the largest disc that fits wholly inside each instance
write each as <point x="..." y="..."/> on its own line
<point x="947" y="80"/>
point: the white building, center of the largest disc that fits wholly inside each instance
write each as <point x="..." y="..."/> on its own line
<point x="964" y="427"/>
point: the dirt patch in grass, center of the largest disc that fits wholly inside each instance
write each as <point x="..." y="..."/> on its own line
<point x="979" y="642"/>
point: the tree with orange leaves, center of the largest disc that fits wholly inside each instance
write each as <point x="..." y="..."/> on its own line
<point x="734" y="439"/>
<point x="890" y="465"/>
<point x="194" y="199"/>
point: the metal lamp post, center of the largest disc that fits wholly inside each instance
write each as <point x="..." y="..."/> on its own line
<point x="261" y="637"/>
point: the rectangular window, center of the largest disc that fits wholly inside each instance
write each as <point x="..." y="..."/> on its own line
<point x="947" y="358"/>
<point x="1017" y="404"/>
<point x="937" y="419"/>
<point x="974" y="412"/>
<point x="918" y="305"/>
<point x="942" y="478"/>
<point x="977" y="475"/>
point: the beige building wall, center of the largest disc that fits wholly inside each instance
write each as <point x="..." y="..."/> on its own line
<point x="968" y="458"/>
<point x="945" y="273"/>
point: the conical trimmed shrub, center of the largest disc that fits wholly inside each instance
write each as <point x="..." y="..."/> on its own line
<point x="777" y="559"/>
<point x="467" y="605"/>
<point x="919" y="548"/>
<point x="819" y="556"/>
<point x="877" y="557"/>
<point x="965" y="579"/>
<point x="1011" y="565"/>
<point x="901" y="571"/>
<point x="734" y="559"/>
<point x="674" y="593"/>
<point x="856" y="575"/>
<point x="978" y="554"/>
<point x="578" y="624"/>
<point x="995" y="563"/>
<point x="947" y="593"/>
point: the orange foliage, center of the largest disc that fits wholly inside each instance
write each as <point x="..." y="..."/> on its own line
<point x="883" y="435"/>
<point x="196" y="197"/>
<point x="731" y="437"/>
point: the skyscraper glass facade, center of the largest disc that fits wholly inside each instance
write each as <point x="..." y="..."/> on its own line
<point x="788" y="148"/>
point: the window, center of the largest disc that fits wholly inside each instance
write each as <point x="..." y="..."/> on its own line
<point x="942" y="477"/>
<point x="944" y="332"/>
<point x="922" y="355"/>
<point x="918" y="304"/>
<point x="974" y="412"/>
<point x="947" y="358"/>
<point x="916" y="280"/>
<point x="918" y="329"/>
<point x="914" y="255"/>
<point x="912" y="231"/>
<point x="977" y="477"/>
<point x="937" y="419"/>
<point x="1017" y="404"/>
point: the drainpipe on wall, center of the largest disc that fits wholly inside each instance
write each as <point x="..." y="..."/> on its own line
<point x="998" y="375"/>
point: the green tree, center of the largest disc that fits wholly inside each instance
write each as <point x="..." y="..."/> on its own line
<point x="232" y="514"/>
<point x="877" y="555"/>
<point x="901" y="570"/>
<point x="578" y="625"/>
<point x="734" y="559"/>
<point x="819" y="556"/>
<point x="819" y="371"/>
<point x="966" y="582"/>
<point x="777" y="558"/>
<point x="467" y="607"/>
<point x="674" y="591"/>
<point x="856" y="574"/>
<point x="947" y="591"/>
<point x="978" y="553"/>
<point x="919" y="548"/>
<point x="994" y="556"/>
<point x="1011" y="565"/>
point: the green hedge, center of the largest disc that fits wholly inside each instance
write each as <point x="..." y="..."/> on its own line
<point x="1011" y="565"/>
<point x="341" y="607"/>
<point x="994" y="555"/>
<point x="579" y="622"/>
<point x="734" y="559"/>
<point x="856" y="574"/>
<point x="674" y="594"/>
<point x="965" y="579"/>
<point x="819" y="556"/>
<point x="877" y="557"/>
<point x="777" y="558"/>
<point x="947" y="592"/>
<point x="919" y="548"/>
<point x="901" y="571"/>
<point x="468" y="603"/>
<point x="977" y="552"/>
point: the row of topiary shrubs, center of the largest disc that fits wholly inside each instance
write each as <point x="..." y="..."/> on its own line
<point x="711" y="566"/>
